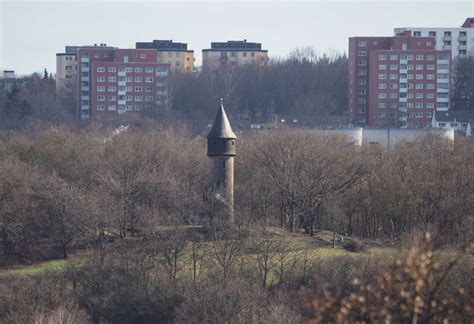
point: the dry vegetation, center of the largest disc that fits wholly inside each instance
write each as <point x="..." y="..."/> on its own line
<point x="127" y="209"/>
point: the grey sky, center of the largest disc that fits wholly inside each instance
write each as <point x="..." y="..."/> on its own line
<point x="33" y="32"/>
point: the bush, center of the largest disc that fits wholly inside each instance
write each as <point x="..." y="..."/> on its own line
<point x="354" y="245"/>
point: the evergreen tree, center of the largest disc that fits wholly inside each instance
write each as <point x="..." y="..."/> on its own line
<point x="463" y="98"/>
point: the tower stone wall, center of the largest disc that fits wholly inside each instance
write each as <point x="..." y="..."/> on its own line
<point x="221" y="152"/>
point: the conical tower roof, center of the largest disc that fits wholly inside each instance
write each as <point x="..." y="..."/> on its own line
<point x="221" y="127"/>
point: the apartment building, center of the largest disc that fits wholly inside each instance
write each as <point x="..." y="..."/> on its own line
<point x="458" y="40"/>
<point x="233" y="53"/>
<point x="120" y="81"/>
<point x="175" y="54"/>
<point x="66" y="64"/>
<point x="397" y="81"/>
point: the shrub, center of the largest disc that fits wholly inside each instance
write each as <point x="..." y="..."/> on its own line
<point x="354" y="245"/>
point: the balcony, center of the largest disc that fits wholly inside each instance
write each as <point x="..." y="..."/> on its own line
<point x="123" y="73"/>
<point x="447" y="47"/>
<point x="402" y="109"/>
<point x="447" y="38"/>
<point x="122" y="83"/>
<point x="462" y="38"/>
<point x="84" y="59"/>
<point x="442" y="99"/>
<point x="84" y="97"/>
<point x="402" y="99"/>
<point x="84" y="107"/>
<point x="403" y="118"/>
<point x="84" y="88"/>
<point x="84" y="69"/>
<point x="462" y="56"/>
<point x="462" y="47"/>
<point x="122" y="102"/>
<point x="121" y="93"/>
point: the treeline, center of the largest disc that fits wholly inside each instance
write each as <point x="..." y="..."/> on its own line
<point x="63" y="190"/>
<point x="303" y="86"/>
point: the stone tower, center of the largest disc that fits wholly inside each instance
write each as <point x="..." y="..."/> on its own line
<point x="221" y="152"/>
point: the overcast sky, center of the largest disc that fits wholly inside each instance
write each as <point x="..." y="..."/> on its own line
<point x="32" y="32"/>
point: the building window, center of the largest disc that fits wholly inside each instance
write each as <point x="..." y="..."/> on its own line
<point x="418" y="105"/>
<point x="382" y="95"/>
<point x="417" y="33"/>
<point x="112" y="107"/>
<point x="362" y="91"/>
<point x="382" y="57"/>
<point x="100" y="98"/>
<point x="362" y="63"/>
<point x="430" y="57"/>
<point x="149" y="69"/>
<point x="233" y="54"/>
<point x="128" y="79"/>
<point x="138" y="89"/>
<point x="393" y="95"/>
<point x="362" y="43"/>
<point x="430" y="67"/>
<point x="430" y="77"/>
<point x="148" y="98"/>
<point x="112" y="79"/>
<point x="382" y="76"/>
<point x="418" y="115"/>
<point x="100" y="107"/>
<point x="393" y="86"/>
<point x="393" y="67"/>
<point x="128" y="98"/>
<point x="362" y="72"/>
<point x="419" y="86"/>
<point x="178" y="54"/>
<point x="429" y="115"/>
<point x="128" y="69"/>
<point x="382" y="86"/>
<point x="382" y="66"/>
<point x="430" y="95"/>
<point x="361" y="110"/>
<point x="244" y="54"/>
<point x="393" y="76"/>
<point x="419" y="67"/>
<point x="149" y="79"/>
<point x="361" y="100"/>
<point x="129" y="108"/>
<point x="394" y="57"/>
<point x="382" y="105"/>
<point x="148" y="89"/>
<point x="252" y="54"/>
<point x="101" y="79"/>
<point x="410" y="95"/>
<point x="419" y="77"/>
<point x="112" y="69"/>
<point x="430" y="86"/>
<point x="138" y="79"/>
<point x="112" y="98"/>
<point x="419" y="95"/>
<point x="382" y="115"/>
<point x="112" y="88"/>
<point x="138" y="69"/>
<point x="142" y="56"/>
<point x="430" y="105"/>
<point x="138" y="98"/>
<point x="100" y="88"/>
<point x="362" y="82"/>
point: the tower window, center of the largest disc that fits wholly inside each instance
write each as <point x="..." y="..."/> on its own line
<point x="232" y="142"/>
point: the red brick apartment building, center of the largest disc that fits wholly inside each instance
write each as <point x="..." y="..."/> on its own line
<point x="397" y="81"/>
<point x="115" y="81"/>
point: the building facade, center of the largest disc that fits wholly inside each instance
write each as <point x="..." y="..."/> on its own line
<point x="7" y="81"/>
<point x="66" y="64"/>
<point x="233" y="53"/>
<point x="175" y="54"/>
<point x="112" y="82"/>
<point x="397" y="81"/>
<point x="458" y="40"/>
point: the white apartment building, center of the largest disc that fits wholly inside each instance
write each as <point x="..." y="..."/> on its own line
<point x="459" y="40"/>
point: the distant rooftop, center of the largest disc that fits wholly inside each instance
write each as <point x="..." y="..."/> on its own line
<point x="163" y="45"/>
<point x="235" y="45"/>
<point x="469" y="23"/>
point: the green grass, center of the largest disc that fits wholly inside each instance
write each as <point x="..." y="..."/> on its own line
<point x="42" y="267"/>
<point x="318" y="246"/>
